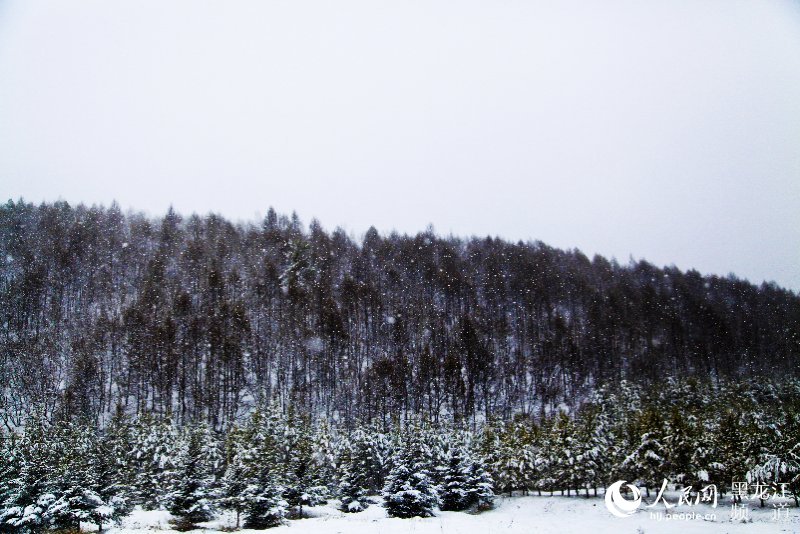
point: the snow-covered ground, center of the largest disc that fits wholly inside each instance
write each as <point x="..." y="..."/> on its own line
<point x="512" y="515"/>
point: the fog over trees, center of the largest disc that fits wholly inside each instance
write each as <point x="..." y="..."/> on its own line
<point x="204" y="319"/>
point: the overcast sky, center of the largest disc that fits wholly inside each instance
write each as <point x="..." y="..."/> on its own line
<point x="666" y="130"/>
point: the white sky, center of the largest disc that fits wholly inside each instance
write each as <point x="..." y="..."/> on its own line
<point x="667" y="130"/>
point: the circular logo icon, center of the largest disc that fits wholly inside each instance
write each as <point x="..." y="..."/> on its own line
<point x="619" y="505"/>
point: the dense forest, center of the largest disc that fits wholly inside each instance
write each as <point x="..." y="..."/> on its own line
<point x="275" y="463"/>
<point x="203" y="319"/>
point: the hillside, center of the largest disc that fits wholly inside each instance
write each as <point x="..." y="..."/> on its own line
<point x="202" y="318"/>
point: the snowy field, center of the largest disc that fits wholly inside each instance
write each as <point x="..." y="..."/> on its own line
<point x="512" y="515"/>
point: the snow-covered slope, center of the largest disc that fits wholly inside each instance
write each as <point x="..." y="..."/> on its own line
<point x="514" y="515"/>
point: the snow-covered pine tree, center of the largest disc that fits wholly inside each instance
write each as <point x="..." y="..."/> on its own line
<point x="511" y="461"/>
<point x="213" y="455"/>
<point x="594" y="446"/>
<point x="680" y="441"/>
<point x="192" y="498"/>
<point x="409" y="490"/>
<point x="728" y="447"/>
<point x="438" y="444"/>
<point x="466" y="485"/>
<point x="363" y="466"/>
<point x="480" y="492"/>
<point x="563" y="453"/>
<point x="779" y="461"/>
<point x="488" y="444"/>
<point x="302" y="484"/>
<point x="544" y="461"/>
<point x="9" y="471"/>
<point x="154" y="458"/>
<point x="324" y="458"/>
<point x="705" y="467"/>
<point x="87" y="484"/>
<point x="113" y="454"/>
<point x="108" y="481"/>
<point x="454" y="495"/>
<point x="646" y="463"/>
<point x="351" y="491"/>
<point x="264" y="506"/>
<point x="28" y="496"/>
<point x="238" y="474"/>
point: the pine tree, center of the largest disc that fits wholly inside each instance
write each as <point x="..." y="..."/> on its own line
<point x="191" y="500"/>
<point x="60" y="478"/>
<point x="212" y="456"/>
<point x="154" y="458"/>
<point x="324" y="461"/>
<point x="108" y="481"/>
<point x="263" y="502"/>
<point x="480" y="494"/>
<point x="455" y="492"/>
<point x="265" y="507"/>
<point x="594" y="447"/>
<point x="779" y="460"/>
<point x="9" y="471"/>
<point x="114" y="456"/>
<point x="409" y="490"/>
<point x="362" y="469"/>
<point x="680" y="441"/>
<point x="544" y="461"/>
<point x="563" y="453"/>
<point x="301" y="479"/>
<point x="84" y="484"/>
<point x="351" y="491"/>
<point x="28" y="495"/>
<point x="509" y="465"/>
<point x="467" y="485"/>
<point x="646" y="463"/>
<point x="237" y="475"/>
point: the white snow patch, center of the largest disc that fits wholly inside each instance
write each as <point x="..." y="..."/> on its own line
<point x="512" y="515"/>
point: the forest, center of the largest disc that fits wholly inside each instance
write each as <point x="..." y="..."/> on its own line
<point x="198" y="365"/>
<point x="276" y="462"/>
<point x="202" y="320"/>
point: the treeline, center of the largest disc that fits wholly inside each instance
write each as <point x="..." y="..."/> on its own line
<point x="55" y="475"/>
<point x="204" y="319"/>
<point x="277" y="462"/>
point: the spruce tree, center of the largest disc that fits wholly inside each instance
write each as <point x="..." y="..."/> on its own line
<point x="409" y="490"/>
<point x="324" y="461"/>
<point x="646" y="463"/>
<point x="154" y="459"/>
<point x="237" y="475"/>
<point x="28" y="493"/>
<point x="480" y="495"/>
<point x="455" y="493"/>
<point x="191" y="500"/>
<point x="563" y="453"/>
<point x="84" y="484"/>
<point x="264" y="505"/>
<point x="363" y="466"/>
<point x="301" y="480"/>
<point x="9" y="471"/>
